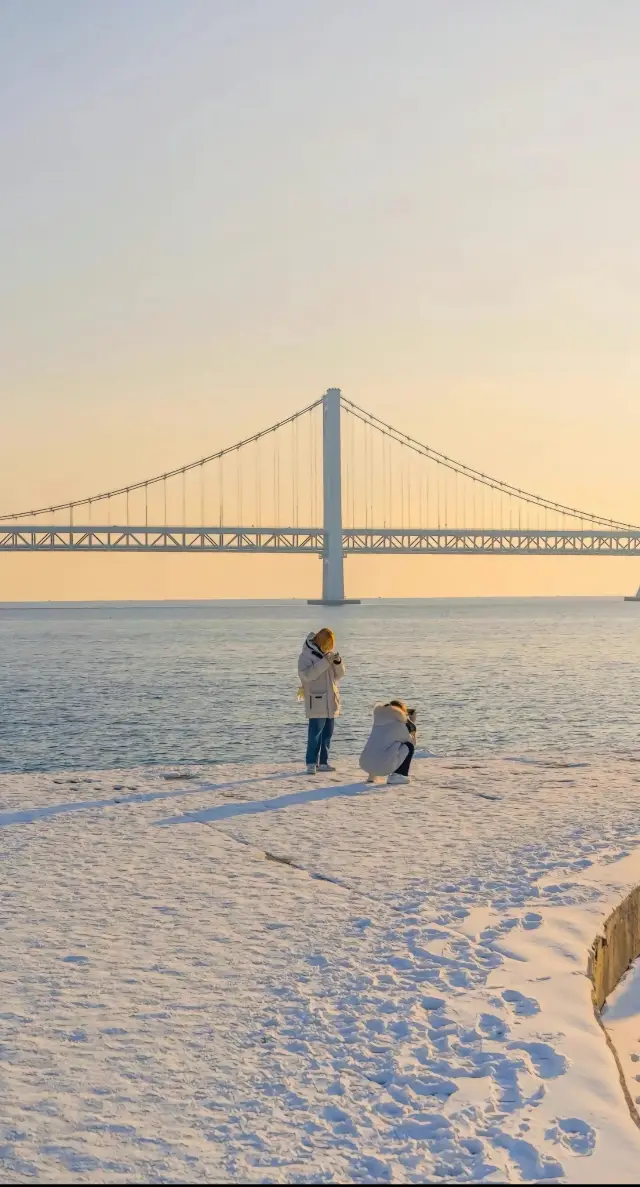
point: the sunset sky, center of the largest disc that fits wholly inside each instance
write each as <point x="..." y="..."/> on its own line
<point x="212" y="210"/>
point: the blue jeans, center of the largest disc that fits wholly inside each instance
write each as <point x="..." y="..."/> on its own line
<point x="319" y="740"/>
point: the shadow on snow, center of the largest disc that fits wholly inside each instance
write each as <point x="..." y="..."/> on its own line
<point x="29" y="815"/>
<point x="252" y="807"/>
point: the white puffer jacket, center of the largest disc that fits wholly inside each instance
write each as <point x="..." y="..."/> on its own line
<point x="387" y="744"/>
<point x="319" y="676"/>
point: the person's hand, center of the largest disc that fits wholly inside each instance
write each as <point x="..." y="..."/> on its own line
<point x="337" y="658"/>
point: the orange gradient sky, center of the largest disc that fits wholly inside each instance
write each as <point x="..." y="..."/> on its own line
<point x="211" y="212"/>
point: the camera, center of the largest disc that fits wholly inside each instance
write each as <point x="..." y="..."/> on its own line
<point x="411" y="714"/>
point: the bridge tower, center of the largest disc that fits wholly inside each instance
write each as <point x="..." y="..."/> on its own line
<point x="333" y="554"/>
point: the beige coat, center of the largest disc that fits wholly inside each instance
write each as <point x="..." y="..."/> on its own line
<point x="387" y="744"/>
<point x="319" y="677"/>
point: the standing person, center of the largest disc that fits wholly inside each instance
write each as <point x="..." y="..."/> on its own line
<point x="320" y="668"/>
<point x="391" y="743"/>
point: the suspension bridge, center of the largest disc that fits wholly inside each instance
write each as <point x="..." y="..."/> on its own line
<point x="331" y="480"/>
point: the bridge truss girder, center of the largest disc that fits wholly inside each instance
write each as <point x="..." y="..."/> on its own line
<point x="478" y="542"/>
<point x="25" y="538"/>
<point x="360" y="541"/>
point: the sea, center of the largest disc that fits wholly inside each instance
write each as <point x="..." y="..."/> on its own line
<point x="121" y="684"/>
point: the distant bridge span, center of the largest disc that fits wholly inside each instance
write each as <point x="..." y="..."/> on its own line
<point x="370" y="541"/>
<point x="396" y="488"/>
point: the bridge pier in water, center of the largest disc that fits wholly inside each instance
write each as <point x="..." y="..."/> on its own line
<point x="333" y="555"/>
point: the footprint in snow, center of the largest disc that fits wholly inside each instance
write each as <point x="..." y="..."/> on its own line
<point x="492" y="1027"/>
<point x="547" y="1063"/>
<point x="507" y="1093"/>
<point x="458" y="979"/>
<point x="423" y="1128"/>
<point x="531" y="921"/>
<point x="523" y="1006"/>
<point x="532" y="1165"/>
<point x="432" y="1003"/>
<point x="433" y="1086"/>
<point x="573" y="1133"/>
<point x="399" y="1029"/>
<point x="338" y="1119"/>
<point x="368" y="1169"/>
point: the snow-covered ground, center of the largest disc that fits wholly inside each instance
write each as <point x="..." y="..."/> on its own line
<point x="251" y="974"/>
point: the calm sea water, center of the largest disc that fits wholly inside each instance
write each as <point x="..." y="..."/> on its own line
<point x="118" y="684"/>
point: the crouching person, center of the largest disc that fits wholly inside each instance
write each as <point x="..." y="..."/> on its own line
<point x="391" y="743"/>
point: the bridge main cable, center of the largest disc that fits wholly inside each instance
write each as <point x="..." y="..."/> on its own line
<point x="478" y="476"/>
<point x="125" y="490"/>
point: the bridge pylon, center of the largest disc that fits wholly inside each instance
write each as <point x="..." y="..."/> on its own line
<point x="333" y="554"/>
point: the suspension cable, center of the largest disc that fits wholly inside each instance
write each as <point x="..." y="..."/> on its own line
<point x="477" y="475"/>
<point x="147" y="482"/>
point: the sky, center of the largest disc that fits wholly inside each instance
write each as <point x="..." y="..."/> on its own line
<point x="213" y="210"/>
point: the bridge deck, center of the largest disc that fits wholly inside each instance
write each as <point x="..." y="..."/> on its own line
<point x="438" y="541"/>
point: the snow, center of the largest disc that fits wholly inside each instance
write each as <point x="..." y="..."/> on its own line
<point x="249" y="974"/>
